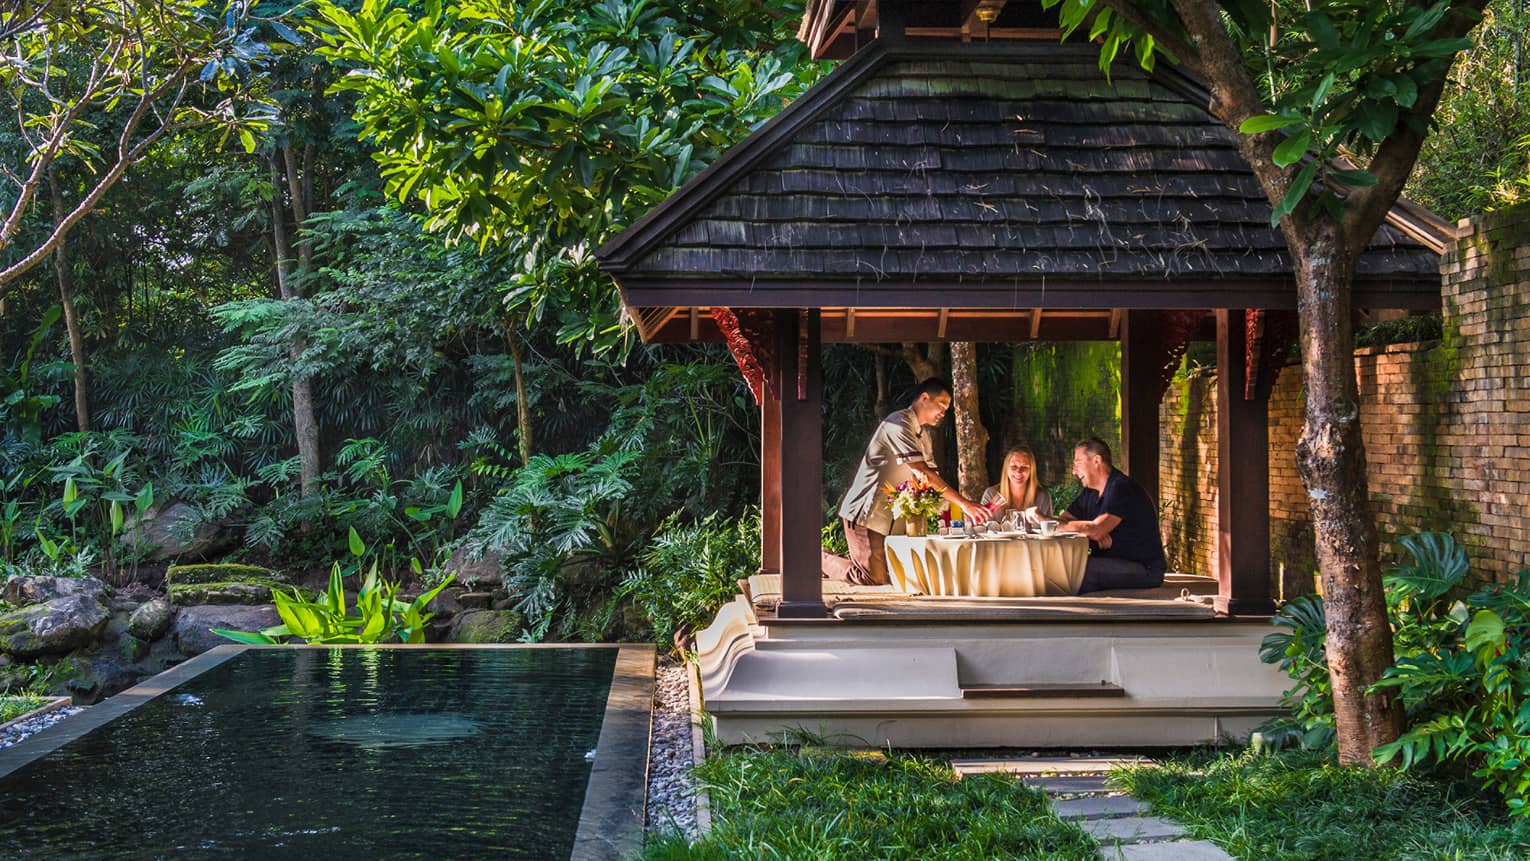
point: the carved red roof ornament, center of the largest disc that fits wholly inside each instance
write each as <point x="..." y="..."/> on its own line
<point x="751" y="336"/>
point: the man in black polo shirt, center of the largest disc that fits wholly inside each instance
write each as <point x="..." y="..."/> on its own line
<point x="1116" y="514"/>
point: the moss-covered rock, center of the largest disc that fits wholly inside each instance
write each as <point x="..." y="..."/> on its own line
<point x="150" y="621"/>
<point x="486" y="626"/>
<point x="251" y="591"/>
<point x="52" y="628"/>
<point x="182" y="575"/>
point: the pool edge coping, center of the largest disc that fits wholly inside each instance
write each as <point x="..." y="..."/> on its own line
<point x="612" y="816"/>
<point x="703" y="798"/>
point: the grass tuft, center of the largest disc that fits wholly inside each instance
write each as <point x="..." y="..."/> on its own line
<point x="822" y="804"/>
<point x="1301" y="806"/>
<point x="12" y="707"/>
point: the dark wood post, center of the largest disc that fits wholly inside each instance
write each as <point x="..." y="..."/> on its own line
<point x="770" y="474"/>
<point x="1243" y="477"/>
<point x="1141" y="347"/>
<point x="801" y="466"/>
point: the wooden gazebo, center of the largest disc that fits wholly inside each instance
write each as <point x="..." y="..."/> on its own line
<point x="943" y="188"/>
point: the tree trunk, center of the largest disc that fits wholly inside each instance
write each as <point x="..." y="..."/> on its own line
<point x="1331" y="458"/>
<point x="522" y="409"/>
<point x="71" y="317"/>
<point x="971" y="436"/>
<point x="883" y="404"/>
<point x="305" y="426"/>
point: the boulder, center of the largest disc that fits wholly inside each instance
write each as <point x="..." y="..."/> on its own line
<point x="486" y="626"/>
<point x="150" y="621"/>
<point x="52" y="628"/>
<point x="94" y="677"/>
<point x="27" y="590"/>
<point x="476" y="567"/>
<point x="475" y="600"/>
<point x="445" y="603"/>
<point x="177" y="531"/>
<point x="192" y="633"/>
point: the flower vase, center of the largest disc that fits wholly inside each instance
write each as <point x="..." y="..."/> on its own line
<point x="915" y="527"/>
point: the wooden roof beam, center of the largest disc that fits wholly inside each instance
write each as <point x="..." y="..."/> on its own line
<point x="1035" y="323"/>
<point x="940" y="327"/>
<point x="1115" y="323"/>
<point x="978" y="15"/>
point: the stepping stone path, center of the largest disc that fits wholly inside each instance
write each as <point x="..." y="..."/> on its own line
<point x="1080" y="793"/>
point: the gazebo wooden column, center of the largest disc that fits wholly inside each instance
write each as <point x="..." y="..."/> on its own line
<point x="1141" y="360"/>
<point x="1243" y="477"/>
<point x="800" y="465"/>
<point x="770" y="475"/>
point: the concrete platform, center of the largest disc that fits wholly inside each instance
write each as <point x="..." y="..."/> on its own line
<point x="894" y="675"/>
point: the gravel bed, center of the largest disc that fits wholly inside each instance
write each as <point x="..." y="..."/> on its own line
<point x="671" y="789"/>
<point x="36" y="725"/>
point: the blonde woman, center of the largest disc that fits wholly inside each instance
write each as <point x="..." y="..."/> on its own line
<point x="1019" y="488"/>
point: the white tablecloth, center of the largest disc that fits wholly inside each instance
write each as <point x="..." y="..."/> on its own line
<point x="993" y="566"/>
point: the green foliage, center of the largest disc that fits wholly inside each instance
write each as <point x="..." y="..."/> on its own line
<point x="560" y="524"/>
<point x="1404" y="330"/>
<point x="688" y="570"/>
<point x="95" y="84"/>
<point x="1300" y="652"/>
<point x="540" y="129"/>
<point x="377" y="617"/>
<point x="1300" y="806"/>
<point x="1338" y="77"/>
<point x="1461" y="671"/>
<point x="1477" y="155"/>
<point x="12" y="707"/>
<point x="821" y="804"/>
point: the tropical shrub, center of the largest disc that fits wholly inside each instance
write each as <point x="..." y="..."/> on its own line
<point x="1461" y="672"/>
<point x="378" y="616"/>
<point x="690" y="569"/>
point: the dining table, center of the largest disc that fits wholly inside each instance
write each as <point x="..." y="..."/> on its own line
<point x="1002" y="565"/>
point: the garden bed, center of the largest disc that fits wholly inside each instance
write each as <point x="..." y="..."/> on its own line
<point x="15" y="709"/>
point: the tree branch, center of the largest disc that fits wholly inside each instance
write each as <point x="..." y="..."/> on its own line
<point x="1396" y="155"/>
<point x="1234" y="96"/>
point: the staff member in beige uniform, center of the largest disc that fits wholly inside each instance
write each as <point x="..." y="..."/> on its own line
<point x="898" y="450"/>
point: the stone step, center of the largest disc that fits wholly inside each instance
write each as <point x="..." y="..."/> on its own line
<point x="1131" y="829"/>
<point x="1037" y="691"/>
<point x="1039" y="765"/>
<point x="1077" y="785"/>
<point x="1174" y="850"/>
<point x="1099" y="807"/>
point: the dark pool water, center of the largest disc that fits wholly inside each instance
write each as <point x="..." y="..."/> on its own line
<point x="329" y="754"/>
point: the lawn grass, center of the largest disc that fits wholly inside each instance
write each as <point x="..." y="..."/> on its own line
<point x="819" y="804"/>
<point x="1299" y="805"/>
<point x="12" y="707"/>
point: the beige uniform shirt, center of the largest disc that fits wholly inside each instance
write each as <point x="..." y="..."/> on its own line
<point x="898" y="440"/>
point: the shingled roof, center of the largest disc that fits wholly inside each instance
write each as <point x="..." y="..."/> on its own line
<point x="1016" y="175"/>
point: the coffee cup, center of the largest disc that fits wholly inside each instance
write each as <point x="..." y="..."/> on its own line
<point x="1048" y="528"/>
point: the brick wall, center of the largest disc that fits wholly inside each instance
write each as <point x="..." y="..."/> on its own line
<point x="1446" y="424"/>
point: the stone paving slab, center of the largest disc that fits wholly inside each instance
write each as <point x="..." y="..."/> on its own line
<point x="1071" y="785"/>
<point x="1099" y="807"/>
<point x="1047" y="765"/>
<point x="1177" y="850"/>
<point x="1131" y="829"/>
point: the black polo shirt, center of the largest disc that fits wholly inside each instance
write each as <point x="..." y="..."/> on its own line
<point x="1136" y="537"/>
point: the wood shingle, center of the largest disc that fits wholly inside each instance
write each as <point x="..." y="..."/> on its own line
<point x="1007" y="169"/>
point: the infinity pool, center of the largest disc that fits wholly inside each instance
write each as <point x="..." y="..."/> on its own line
<point x="322" y="753"/>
